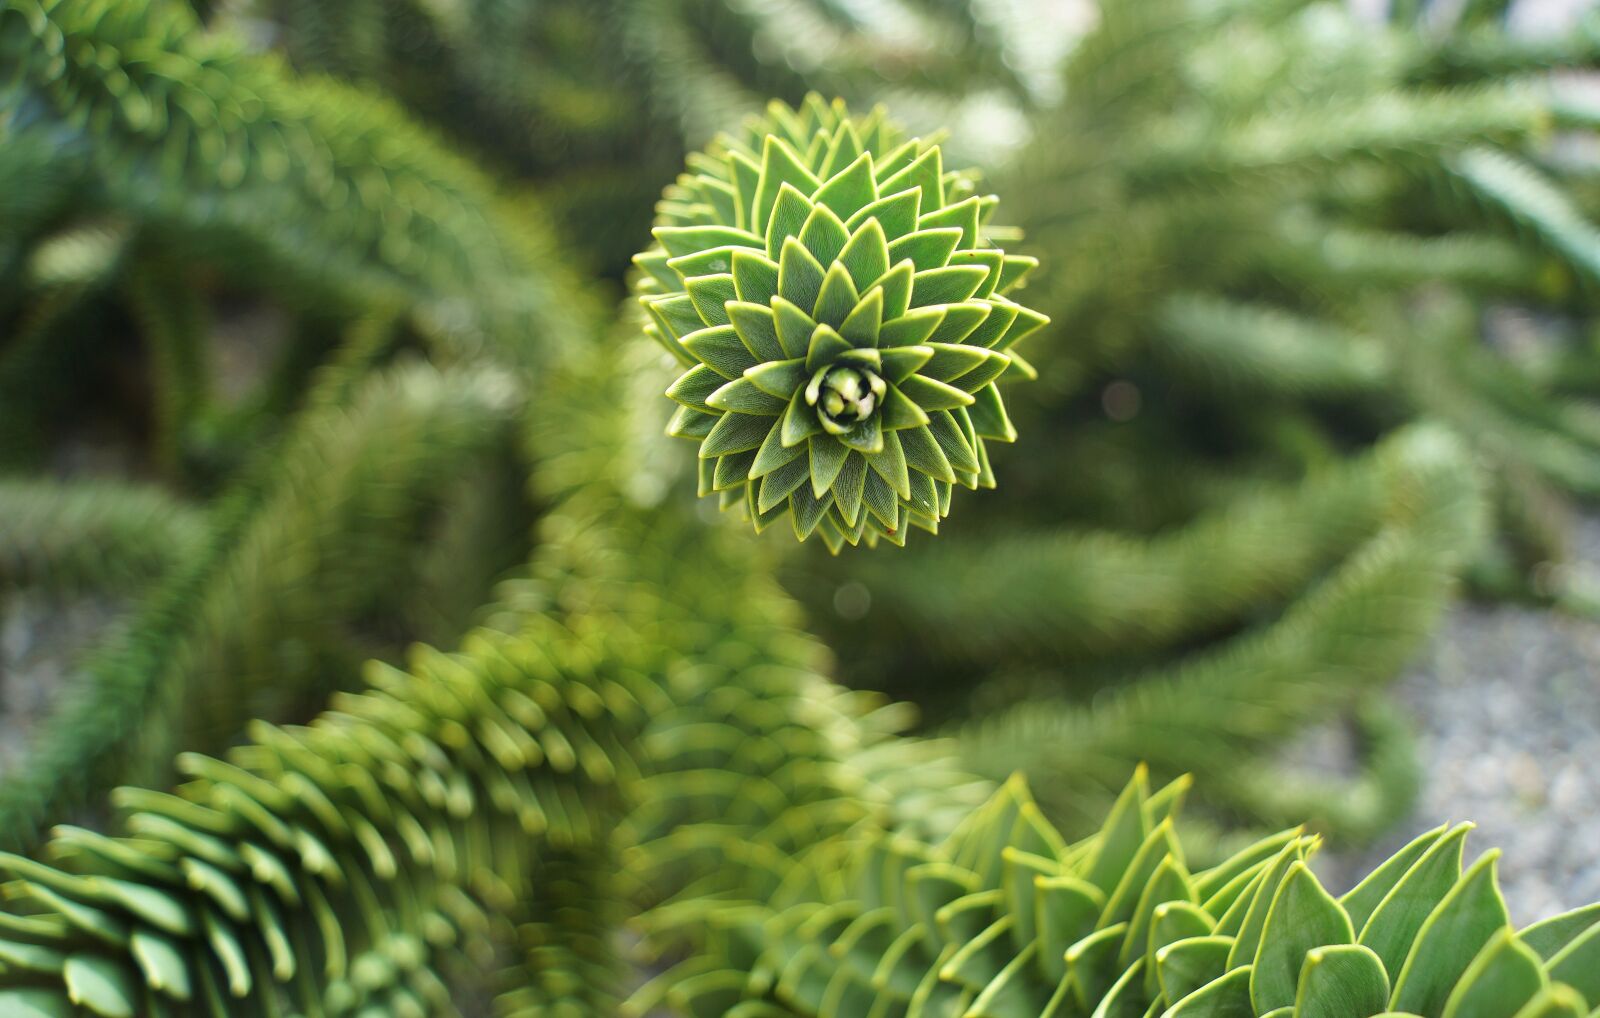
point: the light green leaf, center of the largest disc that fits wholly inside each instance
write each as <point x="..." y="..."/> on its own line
<point x="1557" y="1000"/>
<point x="951" y="284"/>
<point x="755" y="278"/>
<point x="1184" y="966"/>
<point x="895" y="212"/>
<point x="721" y="349"/>
<point x="1302" y="916"/>
<point x="780" y="165"/>
<point x="799" y="276"/>
<point x="711" y="295"/>
<point x="1504" y="976"/>
<point x="823" y="235"/>
<point x="837" y="298"/>
<point x="1363" y="899"/>
<point x="827" y="459"/>
<point x="1341" y="981"/>
<point x="1578" y="964"/>
<point x="1227" y="997"/>
<point x="735" y="433"/>
<point x="1400" y="915"/>
<point x="1548" y="936"/>
<point x="101" y="985"/>
<point x="866" y="254"/>
<point x="1457" y="929"/>
<point x="851" y="189"/>
<point x="927" y="249"/>
<point x="931" y="395"/>
<point x="789" y="215"/>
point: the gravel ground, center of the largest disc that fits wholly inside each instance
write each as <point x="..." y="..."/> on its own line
<point x="1506" y="707"/>
<point x="40" y="640"/>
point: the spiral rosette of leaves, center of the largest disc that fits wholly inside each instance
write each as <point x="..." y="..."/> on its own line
<point x="841" y="315"/>
<point x="1004" y="919"/>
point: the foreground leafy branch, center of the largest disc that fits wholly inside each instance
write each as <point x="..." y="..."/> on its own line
<point x="1004" y="919"/>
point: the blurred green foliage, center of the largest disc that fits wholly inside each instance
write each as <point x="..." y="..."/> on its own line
<point x="305" y="354"/>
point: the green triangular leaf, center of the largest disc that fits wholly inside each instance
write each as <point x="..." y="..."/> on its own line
<point x="1014" y="271"/>
<point x="795" y="327"/>
<point x="1578" y="964"/>
<point x="952" y="360"/>
<point x="1341" y="981"/>
<point x="743" y="396"/>
<point x="758" y="329"/>
<point x="1185" y="966"/>
<point x="826" y="346"/>
<point x="799" y="276"/>
<point x="864" y="323"/>
<point x="988" y="413"/>
<point x="1396" y="920"/>
<point x="925" y="172"/>
<point x="989" y="261"/>
<point x="1226" y="997"/>
<point x="843" y="149"/>
<point x="923" y="453"/>
<point x="865" y="436"/>
<point x="735" y="433"/>
<point x="688" y="240"/>
<point x="693" y="386"/>
<point x="1302" y="916"/>
<point x="896" y="213"/>
<point x="949" y="285"/>
<point x="836" y="298"/>
<point x="773" y="453"/>
<point x="779" y="378"/>
<point x="1500" y="981"/>
<point x="911" y="328"/>
<point x="896" y="286"/>
<point x="931" y="395"/>
<point x="851" y="189"/>
<point x="900" y="362"/>
<point x="866" y="255"/>
<point x="712" y="261"/>
<point x="711" y="295"/>
<point x="963" y="216"/>
<point x="848" y="490"/>
<point x="1362" y="900"/>
<point x="827" y="459"/>
<point x="720" y="349"/>
<point x="780" y="164"/>
<point x="824" y="235"/>
<point x="800" y="420"/>
<point x="1464" y="921"/>
<point x="808" y="511"/>
<point x="880" y="500"/>
<point x="755" y="277"/>
<point x="101" y="985"/>
<point x="789" y="216"/>
<point x="732" y="471"/>
<point x="927" y="249"/>
<point x="675" y="314"/>
<point x="782" y="481"/>
<point x="890" y="464"/>
<point x="996" y="322"/>
<point x="1548" y="936"/>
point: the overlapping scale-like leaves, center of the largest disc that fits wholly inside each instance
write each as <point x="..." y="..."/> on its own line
<point x="841" y="313"/>
<point x="1005" y="920"/>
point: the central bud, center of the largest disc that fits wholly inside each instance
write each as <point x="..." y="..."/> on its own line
<point x="844" y="396"/>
